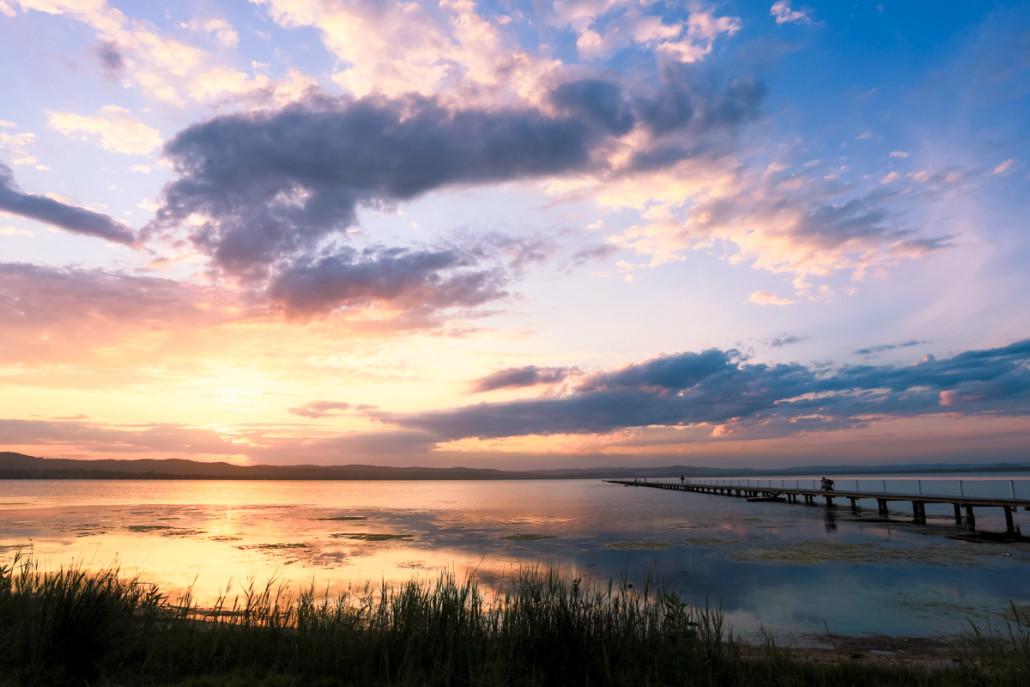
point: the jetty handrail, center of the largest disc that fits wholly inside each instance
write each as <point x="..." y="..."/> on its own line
<point x="920" y="489"/>
<point x="777" y="490"/>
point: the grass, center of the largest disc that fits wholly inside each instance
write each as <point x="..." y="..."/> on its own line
<point x="75" y="627"/>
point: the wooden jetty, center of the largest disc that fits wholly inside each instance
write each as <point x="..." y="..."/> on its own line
<point x="814" y="497"/>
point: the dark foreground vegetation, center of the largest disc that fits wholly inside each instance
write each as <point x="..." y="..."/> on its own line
<point x="76" y="627"/>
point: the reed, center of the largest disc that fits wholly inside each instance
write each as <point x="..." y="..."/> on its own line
<point x="79" y="627"/>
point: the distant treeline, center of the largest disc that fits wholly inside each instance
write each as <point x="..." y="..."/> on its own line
<point x="20" y="466"/>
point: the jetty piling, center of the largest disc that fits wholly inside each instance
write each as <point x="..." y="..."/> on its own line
<point x="764" y="490"/>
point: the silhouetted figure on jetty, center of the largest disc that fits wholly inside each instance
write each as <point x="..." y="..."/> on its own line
<point x="826" y="484"/>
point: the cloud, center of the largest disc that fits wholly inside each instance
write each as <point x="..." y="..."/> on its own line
<point x="883" y="348"/>
<point x="222" y="30"/>
<point x="96" y="324"/>
<point x="598" y="100"/>
<point x="600" y="251"/>
<point x="518" y="377"/>
<point x="68" y="217"/>
<point x="14" y="231"/>
<point x="1003" y="167"/>
<point x="275" y="185"/>
<point x="320" y="409"/>
<point x="38" y="296"/>
<point x="691" y="99"/>
<point x="447" y="50"/>
<point x="163" y="68"/>
<point x="783" y="13"/>
<point x="767" y="298"/>
<point x="262" y="444"/>
<point x="114" y="128"/>
<point x="60" y="435"/>
<point x="707" y="397"/>
<point x="783" y="222"/>
<point x="17" y="146"/>
<point x="111" y="59"/>
<point x="414" y="281"/>
<point x="604" y="29"/>
<point x="723" y="391"/>
<point x="785" y="340"/>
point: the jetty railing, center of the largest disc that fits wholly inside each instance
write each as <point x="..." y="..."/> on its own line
<point x="811" y="493"/>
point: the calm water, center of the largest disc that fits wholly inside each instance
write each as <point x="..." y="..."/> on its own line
<point x="787" y="568"/>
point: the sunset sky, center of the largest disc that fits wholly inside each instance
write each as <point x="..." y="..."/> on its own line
<point x="516" y="234"/>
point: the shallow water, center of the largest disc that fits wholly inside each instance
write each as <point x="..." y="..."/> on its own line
<point x="794" y="570"/>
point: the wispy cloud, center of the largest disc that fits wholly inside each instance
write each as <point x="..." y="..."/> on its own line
<point x="1003" y="168"/>
<point x="319" y="409"/>
<point x="114" y="128"/>
<point x="767" y="298"/>
<point x="520" y="377"/>
<point x="783" y="13"/>
<point x="884" y="348"/>
<point x="785" y="340"/>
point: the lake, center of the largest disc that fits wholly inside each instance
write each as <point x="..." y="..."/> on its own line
<point x="793" y="570"/>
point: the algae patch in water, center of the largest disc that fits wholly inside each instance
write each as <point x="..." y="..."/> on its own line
<point x="635" y="545"/>
<point x="273" y="547"/>
<point x="528" y="537"/>
<point x="181" y="532"/>
<point x="817" y="553"/>
<point x="707" y="541"/>
<point x="371" y="536"/>
<point x="4" y="548"/>
<point x="163" y="530"/>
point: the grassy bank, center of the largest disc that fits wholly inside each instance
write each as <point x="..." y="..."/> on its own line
<point x="81" y="628"/>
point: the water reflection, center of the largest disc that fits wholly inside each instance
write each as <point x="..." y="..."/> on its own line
<point x="830" y="519"/>
<point x="793" y="569"/>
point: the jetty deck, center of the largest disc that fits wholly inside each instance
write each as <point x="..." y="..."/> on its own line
<point x="963" y="505"/>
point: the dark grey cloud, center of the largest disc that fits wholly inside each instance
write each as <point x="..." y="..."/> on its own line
<point x="68" y="217"/>
<point x="690" y="114"/>
<point x="515" y="377"/>
<point x="719" y="387"/>
<point x="883" y="348"/>
<point x="111" y="60"/>
<point x="277" y="184"/>
<point x="692" y="99"/>
<point x="411" y="280"/>
<point x="785" y="340"/>
<point x="279" y="189"/>
<point x="600" y="251"/>
<point x="597" y="100"/>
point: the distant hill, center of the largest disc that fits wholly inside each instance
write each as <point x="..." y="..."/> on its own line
<point x="20" y="466"/>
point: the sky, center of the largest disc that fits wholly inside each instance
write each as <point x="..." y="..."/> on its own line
<point x="516" y="234"/>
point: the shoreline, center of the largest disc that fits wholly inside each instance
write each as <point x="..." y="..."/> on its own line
<point x="97" y="628"/>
